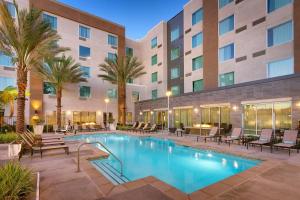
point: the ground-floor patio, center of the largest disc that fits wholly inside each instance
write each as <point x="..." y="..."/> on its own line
<point x="276" y="178"/>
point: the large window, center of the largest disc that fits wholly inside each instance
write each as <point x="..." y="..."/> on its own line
<point x="154" y="94"/>
<point x="112" y="40"/>
<point x="85" y="91"/>
<point x="175" y="90"/>
<point x="11" y="9"/>
<point x="84" y="52"/>
<point x="112" y="93"/>
<point x="5" y="60"/>
<point x="197" y="63"/>
<point x="175" y="34"/>
<point x="49" y="88"/>
<point x="129" y="51"/>
<point x="197" y="16"/>
<point x="197" y="40"/>
<point x="226" y="53"/>
<point x="111" y="56"/>
<point x="183" y="116"/>
<point x="198" y="85"/>
<point x="154" y="42"/>
<point x="226" y="25"/>
<point x="175" y="53"/>
<point x="175" y="72"/>
<point x="280" y="34"/>
<point x="84" y="117"/>
<point x="135" y="96"/>
<point x="272" y="115"/>
<point x="154" y="60"/>
<point x="281" y="67"/>
<point x="7" y="81"/>
<point x="84" y="32"/>
<point x="214" y="114"/>
<point x="276" y="4"/>
<point x="51" y="20"/>
<point x="223" y="3"/>
<point x="226" y="79"/>
<point x="154" y="77"/>
<point x="85" y="71"/>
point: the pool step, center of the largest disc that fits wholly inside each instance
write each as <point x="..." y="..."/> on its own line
<point x="110" y="172"/>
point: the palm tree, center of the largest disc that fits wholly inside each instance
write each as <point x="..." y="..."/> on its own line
<point x="28" y="39"/>
<point x="59" y="72"/>
<point x="119" y="71"/>
<point x="8" y="96"/>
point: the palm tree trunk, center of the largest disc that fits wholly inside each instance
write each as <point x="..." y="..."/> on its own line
<point x="122" y="103"/>
<point x="22" y="84"/>
<point x="12" y="110"/>
<point x="58" y="107"/>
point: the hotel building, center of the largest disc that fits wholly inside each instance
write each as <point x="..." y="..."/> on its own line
<point x="225" y="65"/>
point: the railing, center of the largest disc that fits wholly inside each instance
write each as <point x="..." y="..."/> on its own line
<point x="78" y="155"/>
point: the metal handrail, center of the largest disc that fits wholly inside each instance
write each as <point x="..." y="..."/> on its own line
<point x="78" y="151"/>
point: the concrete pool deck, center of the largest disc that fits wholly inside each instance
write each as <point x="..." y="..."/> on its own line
<point x="275" y="178"/>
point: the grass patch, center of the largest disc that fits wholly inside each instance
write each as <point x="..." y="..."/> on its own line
<point x="8" y="137"/>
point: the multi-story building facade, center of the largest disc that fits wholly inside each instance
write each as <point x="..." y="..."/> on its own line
<point x="226" y="62"/>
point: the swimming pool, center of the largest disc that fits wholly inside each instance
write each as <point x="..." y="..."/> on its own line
<point x="188" y="169"/>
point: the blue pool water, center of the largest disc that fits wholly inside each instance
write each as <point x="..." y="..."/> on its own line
<point x="185" y="168"/>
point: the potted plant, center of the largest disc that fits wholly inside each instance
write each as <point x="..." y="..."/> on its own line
<point x="38" y="126"/>
<point x="111" y="124"/>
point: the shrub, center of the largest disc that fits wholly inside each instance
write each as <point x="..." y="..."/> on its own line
<point x="16" y="182"/>
<point x="8" y="137"/>
<point x="123" y="128"/>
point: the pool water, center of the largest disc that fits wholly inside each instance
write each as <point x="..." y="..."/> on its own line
<point x="188" y="169"/>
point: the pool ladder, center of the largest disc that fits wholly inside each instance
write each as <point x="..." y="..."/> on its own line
<point x="111" y="153"/>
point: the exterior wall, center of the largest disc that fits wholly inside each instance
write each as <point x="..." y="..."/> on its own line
<point x="297" y="35"/>
<point x="189" y="52"/>
<point x="281" y="87"/>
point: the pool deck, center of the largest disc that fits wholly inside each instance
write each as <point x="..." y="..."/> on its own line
<point x="277" y="177"/>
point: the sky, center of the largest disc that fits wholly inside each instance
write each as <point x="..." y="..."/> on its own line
<point x="138" y="16"/>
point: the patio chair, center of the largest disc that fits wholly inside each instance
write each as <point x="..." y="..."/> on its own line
<point x="235" y="135"/>
<point x="84" y="127"/>
<point x="146" y="127"/>
<point x="46" y="137"/>
<point x="43" y="148"/>
<point x="141" y="124"/>
<point x="92" y="128"/>
<point x="135" y="124"/>
<point x="152" y="129"/>
<point x="265" y="138"/>
<point x="212" y="134"/>
<point x="289" y="140"/>
<point x="33" y="140"/>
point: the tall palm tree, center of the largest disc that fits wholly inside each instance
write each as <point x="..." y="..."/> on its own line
<point x="28" y="39"/>
<point x="119" y="71"/>
<point x="8" y="96"/>
<point x="59" y="72"/>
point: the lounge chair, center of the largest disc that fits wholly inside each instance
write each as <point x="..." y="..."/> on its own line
<point x="289" y="140"/>
<point x="42" y="148"/>
<point x="213" y="133"/>
<point x="84" y="127"/>
<point x="146" y="127"/>
<point x="264" y="139"/>
<point x="141" y="124"/>
<point x="152" y="129"/>
<point x="92" y="128"/>
<point x="135" y="124"/>
<point x="235" y="135"/>
<point x="33" y="140"/>
<point x="46" y="137"/>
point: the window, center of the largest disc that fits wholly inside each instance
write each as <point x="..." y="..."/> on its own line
<point x="135" y="96"/>
<point x="226" y="53"/>
<point x="175" y="72"/>
<point x="226" y="25"/>
<point x="197" y="63"/>
<point x="112" y="93"/>
<point x="85" y="71"/>
<point x="175" y="53"/>
<point x="112" y="40"/>
<point x="85" y="91"/>
<point x="11" y="9"/>
<point x="84" y="32"/>
<point x="280" y="34"/>
<point x="49" y="88"/>
<point x="197" y="40"/>
<point x="226" y="79"/>
<point x="154" y="60"/>
<point x="276" y="4"/>
<point x="154" y="77"/>
<point x="84" y="52"/>
<point x="197" y="85"/>
<point x="223" y="3"/>
<point x="197" y="16"/>
<point x="5" y="60"/>
<point x="129" y="51"/>
<point x="51" y="20"/>
<point x="130" y="80"/>
<point x="154" y="42"/>
<point x="7" y="81"/>
<point x="175" y="34"/>
<point x="111" y="56"/>
<point x="154" y="94"/>
<point x="281" y="67"/>
<point x="175" y="90"/>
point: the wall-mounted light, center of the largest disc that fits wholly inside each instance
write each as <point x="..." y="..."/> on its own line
<point x="68" y="112"/>
<point x="36" y="104"/>
<point x="196" y="110"/>
<point x="98" y="112"/>
<point x="298" y="104"/>
<point x="151" y="112"/>
<point x="141" y="113"/>
<point x="170" y="111"/>
<point x="235" y="108"/>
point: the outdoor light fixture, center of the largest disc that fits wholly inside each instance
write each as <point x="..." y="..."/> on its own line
<point x="168" y="94"/>
<point x="141" y="113"/>
<point x="235" y="108"/>
<point x="69" y="112"/>
<point x="196" y="110"/>
<point x="99" y="113"/>
<point x="151" y="112"/>
<point x="106" y="100"/>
